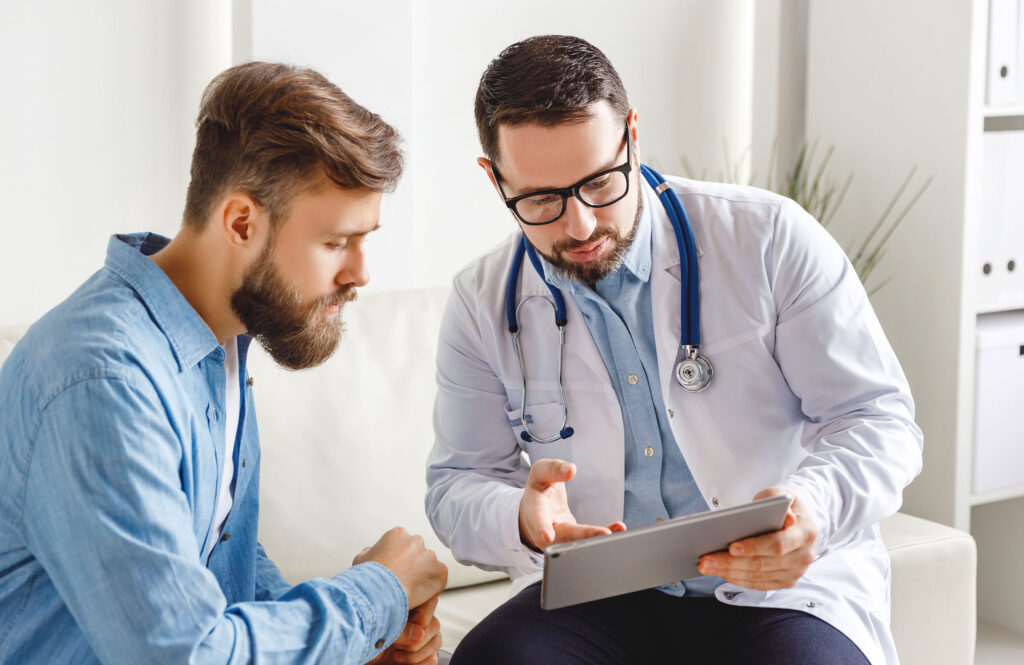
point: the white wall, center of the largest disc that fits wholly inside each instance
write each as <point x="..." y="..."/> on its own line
<point x="688" y="66"/>
<point x="95" y="132"/>
<point x="101" y="95"/>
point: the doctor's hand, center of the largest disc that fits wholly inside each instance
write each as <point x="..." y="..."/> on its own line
<point x="419" y="641"/>
<point x="419" y="572"/>
<point x="544" y="516"/>
<point x="773" y="561"/>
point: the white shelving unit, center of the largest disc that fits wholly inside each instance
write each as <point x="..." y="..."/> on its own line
<point x="894" y="85"/>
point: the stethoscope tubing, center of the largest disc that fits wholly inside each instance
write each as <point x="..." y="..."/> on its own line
<point x="689" y="294"/>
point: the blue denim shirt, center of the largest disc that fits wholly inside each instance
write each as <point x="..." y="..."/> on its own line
<point x="111" y="447"/>
<point x="618" y="312"/>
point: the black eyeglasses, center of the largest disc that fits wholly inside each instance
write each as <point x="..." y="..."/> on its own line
<point x="596" y="191"/>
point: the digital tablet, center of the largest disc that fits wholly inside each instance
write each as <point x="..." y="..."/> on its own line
<point x="652" y="555"/>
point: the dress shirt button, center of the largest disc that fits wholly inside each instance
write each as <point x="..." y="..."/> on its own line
<point x="633" y="379"/>
<point x="243" y="461"/>
<point x="649" y="451"/>
<point x="671" y="413"/>
<point x="812" y="604"/>
<point x="714" y="501"/>
<point x="378" y="644"/>
<point x="250" y="382"/>
<point x="729" y="595"/>
<point x="659" y="520"/>
<point x="225" y="537"/>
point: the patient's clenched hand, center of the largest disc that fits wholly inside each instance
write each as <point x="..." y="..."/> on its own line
<point x="419" y="572"/>
<point x="420" y="639"/>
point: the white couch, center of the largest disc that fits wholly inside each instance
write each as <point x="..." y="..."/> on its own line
<point x="343" y="450"/>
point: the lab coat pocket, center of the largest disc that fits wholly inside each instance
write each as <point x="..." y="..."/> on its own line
<point x="542" y="421"/>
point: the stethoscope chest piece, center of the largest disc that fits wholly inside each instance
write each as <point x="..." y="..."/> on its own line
<point x="694" y="371"/>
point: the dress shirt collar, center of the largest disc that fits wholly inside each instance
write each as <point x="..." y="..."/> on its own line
<point x="189" y="336"/>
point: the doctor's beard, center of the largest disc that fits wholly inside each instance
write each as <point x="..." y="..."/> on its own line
<point x="295" y="334"/>
<point x="593" y="272"/>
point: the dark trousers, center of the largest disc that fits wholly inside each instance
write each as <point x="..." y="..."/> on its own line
<point x="651" y="627"/>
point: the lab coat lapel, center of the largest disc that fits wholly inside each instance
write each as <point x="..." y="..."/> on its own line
<point x="665" y="293"/>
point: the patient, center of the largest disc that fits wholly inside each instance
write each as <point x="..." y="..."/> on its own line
<point x="129" y="454"/>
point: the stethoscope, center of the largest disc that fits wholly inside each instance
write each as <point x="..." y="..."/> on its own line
<point x="693" y="372"/>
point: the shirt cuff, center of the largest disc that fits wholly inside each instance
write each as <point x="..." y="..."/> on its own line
<point x="524" y="559"/>
<point x="807" y="494"/>
<point x="381" y="602"/>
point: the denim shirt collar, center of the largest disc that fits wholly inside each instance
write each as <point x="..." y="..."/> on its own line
<point x="637" y="260"/>
<point x="190" y="338"/>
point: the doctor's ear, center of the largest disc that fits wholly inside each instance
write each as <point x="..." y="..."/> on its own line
<point x="632" y="120"/>
<point x="485" y="164"/>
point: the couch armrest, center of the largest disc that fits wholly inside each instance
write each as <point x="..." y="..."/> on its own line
<point x="934" y="591"/>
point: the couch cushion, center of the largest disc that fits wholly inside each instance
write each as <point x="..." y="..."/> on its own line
<point x="9" y="336"/>
<point x="344" y="444"/>
<point x="459" y="610"/>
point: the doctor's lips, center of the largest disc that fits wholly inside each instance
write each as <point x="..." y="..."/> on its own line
<point x="587" y="251"/>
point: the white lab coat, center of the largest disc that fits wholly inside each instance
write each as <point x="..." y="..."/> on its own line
<point x="807" y="394"/>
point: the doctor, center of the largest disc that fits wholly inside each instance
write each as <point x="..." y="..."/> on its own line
<point x="718" y="347"/>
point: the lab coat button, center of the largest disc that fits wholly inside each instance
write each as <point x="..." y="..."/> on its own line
<point x="633" y="379"/>
<point x="649" y="451"/>
<point x="714" y="501"/>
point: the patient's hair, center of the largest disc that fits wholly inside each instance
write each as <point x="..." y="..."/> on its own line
<point x="273" y="131"/>
<point x="548" y="80"/>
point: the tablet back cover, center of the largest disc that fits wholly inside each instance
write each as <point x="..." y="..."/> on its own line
<point x="650" y="556"/>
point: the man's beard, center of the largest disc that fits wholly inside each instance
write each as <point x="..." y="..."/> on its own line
<point x="295" y="334"/>
<point x="592" y="272"/>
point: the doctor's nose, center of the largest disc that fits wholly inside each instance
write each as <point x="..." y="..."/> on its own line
<point x="579" y="219"/>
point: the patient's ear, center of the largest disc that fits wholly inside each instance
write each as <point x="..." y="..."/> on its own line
<point x="241" y="222"/>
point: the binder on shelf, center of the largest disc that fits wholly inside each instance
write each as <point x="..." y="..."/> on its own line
<point x="1003" y="59"/>
<point x="998" y="427"/>
<point x="999" y="267"/>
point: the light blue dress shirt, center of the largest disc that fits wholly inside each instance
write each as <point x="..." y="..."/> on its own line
<point x="111" y="447"/>
<point x="658" y="482"/>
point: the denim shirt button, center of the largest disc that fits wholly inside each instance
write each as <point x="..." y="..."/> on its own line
<point x="378" y="644"/>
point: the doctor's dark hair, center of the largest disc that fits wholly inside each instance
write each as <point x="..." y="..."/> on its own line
<point x="274" y="131"/>
<point x="548" y="80"/>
